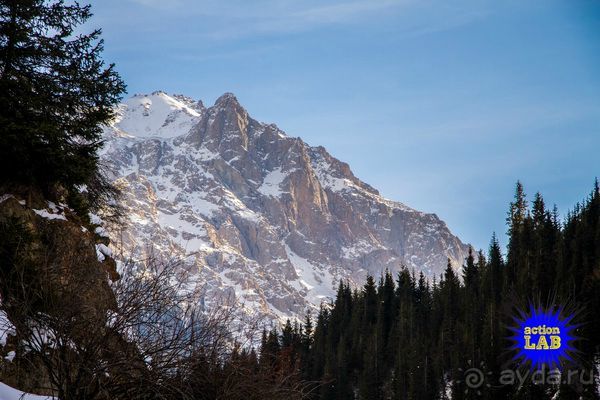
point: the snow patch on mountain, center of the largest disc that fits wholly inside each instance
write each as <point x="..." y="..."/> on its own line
<point x="316" y="280"/>
<point x="271" y="185"/>
<point x="157" y="114"/>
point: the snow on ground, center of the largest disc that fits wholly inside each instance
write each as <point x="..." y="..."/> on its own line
<point x="6" y="328"/>
<point x="323" y="170"/>
<point x="318" y="282"/>
<point x="597" y="373"/>
<point x="270" y="185"/>
<point x="9" y="393"/>
<point x="102" y="251"/>
<point x="5" y="197"/>
<point x="358" y="249"/>
<point x="198" y="201"/>
<point x="53" y="212"/>
<point x="49" y="215"/>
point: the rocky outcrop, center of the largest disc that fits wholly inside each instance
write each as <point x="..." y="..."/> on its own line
<point x="253" y="212"/>
<point x="52" y="263"/>
<point x="62" y="248"/>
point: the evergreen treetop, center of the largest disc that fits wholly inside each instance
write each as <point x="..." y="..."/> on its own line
<point x="55" y="93"/>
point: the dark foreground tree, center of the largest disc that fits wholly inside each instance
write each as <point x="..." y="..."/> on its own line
<point x="55" y="93"/>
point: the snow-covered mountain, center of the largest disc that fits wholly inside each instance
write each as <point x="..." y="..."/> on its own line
<point x="254" y="213"/>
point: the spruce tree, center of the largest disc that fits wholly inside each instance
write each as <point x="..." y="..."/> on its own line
<point x="55" y="93"/>
<point x="471" y="273"/>
<point x="517" y="261"/>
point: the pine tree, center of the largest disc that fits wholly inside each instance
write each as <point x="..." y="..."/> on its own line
<point x="287" y="334"/>
<point x="370" y="300"/>
<point x="495" y="270"/>
<point x="518" y="224"/>
<point x="471" y="273"/>
<point x="55" y="92"/>
<point x="306" y="342"/>
<point x="518" y="209"/>
<point x="385" y="314"/>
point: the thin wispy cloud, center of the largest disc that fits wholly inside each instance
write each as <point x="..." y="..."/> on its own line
<point x="159" y="4"/>
<point x="234" y="19"/>
<point x="416" y="18"/>
<point x="345" y="11"/>
<point x="453" y="21"/>
<point x="293" y="19"/>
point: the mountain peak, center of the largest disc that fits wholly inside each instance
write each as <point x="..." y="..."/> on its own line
<point x="268" y="218"/>
<point x="158" y="114"/>
<point x="227" y="99"/>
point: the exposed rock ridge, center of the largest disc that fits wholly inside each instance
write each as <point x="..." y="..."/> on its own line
<point x="256" y="213"/>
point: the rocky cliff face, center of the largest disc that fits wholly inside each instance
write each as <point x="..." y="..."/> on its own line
<point x="253" y="213"/>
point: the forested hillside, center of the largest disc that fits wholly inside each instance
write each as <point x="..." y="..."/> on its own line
<point x="403" y="337"/>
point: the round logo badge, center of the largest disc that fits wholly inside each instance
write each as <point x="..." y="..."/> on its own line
<point x="543" y="337"/>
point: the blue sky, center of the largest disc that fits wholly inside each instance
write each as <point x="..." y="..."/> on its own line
<point x="442" y="105"/>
